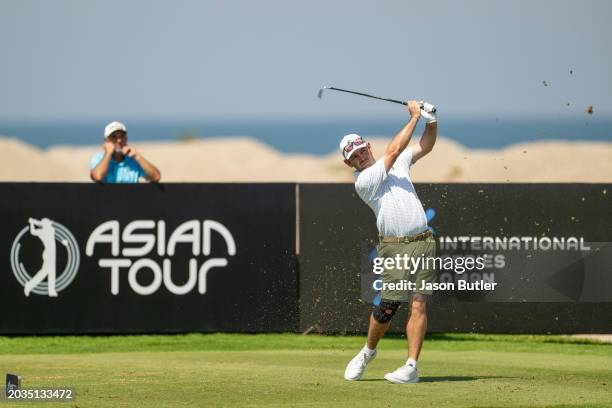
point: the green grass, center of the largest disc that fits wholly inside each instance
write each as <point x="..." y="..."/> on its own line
<point x="266" y="370"/>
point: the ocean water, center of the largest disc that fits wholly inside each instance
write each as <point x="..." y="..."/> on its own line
<point x="315" y="136"/>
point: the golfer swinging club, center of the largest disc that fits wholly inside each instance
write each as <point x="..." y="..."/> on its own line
<point x="385" y="186"/>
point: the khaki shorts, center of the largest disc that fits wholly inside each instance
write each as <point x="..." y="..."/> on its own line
<point x="417" y="249"/>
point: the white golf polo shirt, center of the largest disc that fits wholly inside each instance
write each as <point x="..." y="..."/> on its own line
<point x="392" y="197"/>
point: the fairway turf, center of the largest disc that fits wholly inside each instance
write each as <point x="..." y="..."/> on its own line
<point x="293" y="370"/>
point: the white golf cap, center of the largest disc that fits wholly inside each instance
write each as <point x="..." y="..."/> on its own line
<point x="350" y="143"/>
<point x="113" y="127"/>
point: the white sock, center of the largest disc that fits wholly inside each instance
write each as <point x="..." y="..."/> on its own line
<point x="411" y="362"/>
<point x="368" y="350"/>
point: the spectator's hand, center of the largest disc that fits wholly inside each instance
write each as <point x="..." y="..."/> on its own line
<point x="109" y="147"/>
<point x="414" y="108"/>
<point x="129" y="151"/>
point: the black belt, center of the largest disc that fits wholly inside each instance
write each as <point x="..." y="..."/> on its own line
<point x="409" y="238"/>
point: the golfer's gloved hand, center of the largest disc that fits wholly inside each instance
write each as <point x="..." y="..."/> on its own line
<point x="427" y="113"/>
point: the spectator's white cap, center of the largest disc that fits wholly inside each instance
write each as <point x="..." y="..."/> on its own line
<point x="350" y="143"/>
<point x="113" y="127"/>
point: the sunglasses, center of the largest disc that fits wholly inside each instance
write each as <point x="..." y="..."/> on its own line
<point x="349" y="147"/>
<point x="117" y="134"/>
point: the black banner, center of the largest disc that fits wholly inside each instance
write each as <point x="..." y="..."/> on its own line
<point x="541" y="242"/>
<point x="86" y="258"/>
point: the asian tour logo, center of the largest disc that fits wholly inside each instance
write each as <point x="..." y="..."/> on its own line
<point x="49" y="233"/>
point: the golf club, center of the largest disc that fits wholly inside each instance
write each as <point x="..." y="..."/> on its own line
<point x="428" y="107"/>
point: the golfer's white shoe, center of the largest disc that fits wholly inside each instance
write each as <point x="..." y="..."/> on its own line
<point x="403" y="375"/>
<point x="356" y="367"/>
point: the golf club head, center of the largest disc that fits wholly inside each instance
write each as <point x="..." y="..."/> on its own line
<point x="320" y="94"/>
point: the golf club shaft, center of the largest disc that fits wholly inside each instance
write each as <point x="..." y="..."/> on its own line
<point x="369" y="96"/>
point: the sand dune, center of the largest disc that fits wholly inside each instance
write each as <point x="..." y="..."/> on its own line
<point x="248" y="160"/>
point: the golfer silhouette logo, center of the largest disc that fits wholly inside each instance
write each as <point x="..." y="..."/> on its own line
<point x="49" y="233"/>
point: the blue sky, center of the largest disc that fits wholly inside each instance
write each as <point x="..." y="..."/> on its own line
<point x="266" y="59"/>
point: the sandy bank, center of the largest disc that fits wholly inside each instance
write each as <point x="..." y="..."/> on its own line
<point x="248" y="160"/>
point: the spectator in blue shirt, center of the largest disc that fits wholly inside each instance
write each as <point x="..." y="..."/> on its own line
<point x="120" y="162"/>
